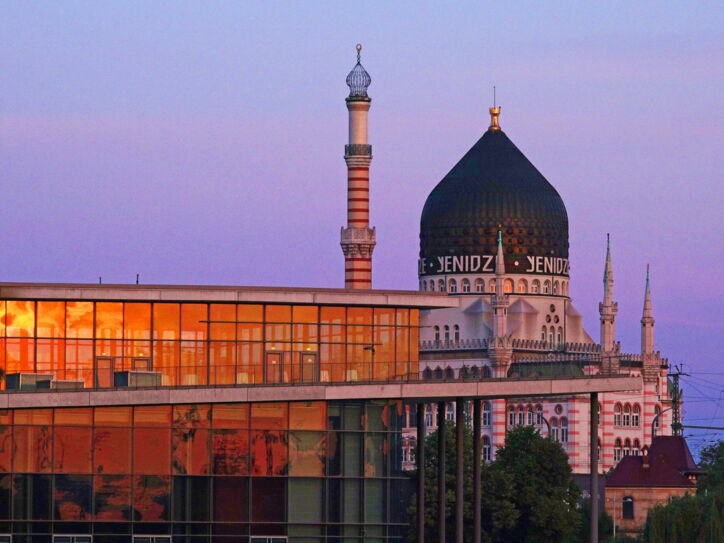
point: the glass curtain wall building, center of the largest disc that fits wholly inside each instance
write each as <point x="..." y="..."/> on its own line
<point x="93" y="448"/>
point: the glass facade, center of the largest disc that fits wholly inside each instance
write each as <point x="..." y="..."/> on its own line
<point x="102" y="344"/>
<point x="202" y="473"/>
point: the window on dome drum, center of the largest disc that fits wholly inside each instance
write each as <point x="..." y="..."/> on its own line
<point x="617" y="415"/>
<point x="522" y="286"/>
<point x="627" y="507"/>
<point x="491" y="285"/>
<point x="452" y="286"/>
<point x="466" y="285"/>
<point x="617" y="450"/>
<point x="486" y="414"/>
<point x="432" y="285"/>
<point x="636" y="416"/>
<point x="479" y="285"/>
<point x="456" y="332"/>
<point x="486" y="449"/>
<point x="535" y="286"/>
<point x="564" y="430"/>
<point x="556" y="287"/>
<point x="547" y="287"/>
<point x="441" y="285"/>
<point x="627" y="415"/>
<point x="508" y="286"/>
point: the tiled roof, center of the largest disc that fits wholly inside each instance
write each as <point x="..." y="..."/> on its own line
<point x="677" y="451"/>
<point x="669" y="462"/>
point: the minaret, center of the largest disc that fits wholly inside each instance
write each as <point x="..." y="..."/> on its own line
<point x="647" y="320"/>
<point x="358" y="239"/>
<point x="500" y="350"/>
<point x="608" y="308"/>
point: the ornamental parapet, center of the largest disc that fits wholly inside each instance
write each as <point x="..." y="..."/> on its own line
<point x="454" y="345"/>
<point x="357" y="149"/>
<point x="358" y="235"/>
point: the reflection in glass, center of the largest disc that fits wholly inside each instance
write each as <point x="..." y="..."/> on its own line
<point x="230" y="451"/>
<point x="151" y="497"/>
<point x="268" y="452"/>
<point x="72" y="497"/>
<point x="112" y="497"/>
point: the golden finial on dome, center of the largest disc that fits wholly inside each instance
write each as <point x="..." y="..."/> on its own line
<point x="494" y="114"/>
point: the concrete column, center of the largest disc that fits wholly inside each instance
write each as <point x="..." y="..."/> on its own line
<point x="459" y="465"/>
<point x="441" y="472"/>
<point x="477" y="449"/>
<point x="420" y="461"/>
<point x="594" y="468"/>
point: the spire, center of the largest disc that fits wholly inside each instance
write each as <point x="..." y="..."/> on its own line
<point x="647" y="320"/>
<point x="608" y="270"/>
<point x="358" y="80"/>
<point x="608" y="308"/>
<point x="499" y="258"/>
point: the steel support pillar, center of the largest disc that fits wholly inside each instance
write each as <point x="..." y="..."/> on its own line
<point x="477" y="446"/>
<point x="459" y="465"/>
<point x="441" y="472"/>
<point x="420" y="461"/>
<point x="594" y="467"/>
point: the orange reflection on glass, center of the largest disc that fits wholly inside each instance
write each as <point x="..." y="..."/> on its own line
<point x="75" y="416"/>
<point x="137" y="321"/>
<point x="305" y="314"/>
<point x="191" y="416"/>
<point x="308" y="415"/>
<point x="222" y="357"/>
<point x="269" y="416"/>
<point x="268" y="452"/>
<point x="32" y="449"/>
<point x="152" y="415"/>
<point x="194" y="321"/>
<point x="72" y="450"/>
<point x="248" y="313"/>
<point x="278" y="313"/>
<point x="166" y="321"/>
<point x="19" y="355"/>
<point x="230" y="415"/>
<point x="230" y="451"/>
<point x="36" y="417"/>
<point x="20" y="318"/>
<point x="307" y="453"/>
<point x="113" y="416"/>
<point x="151" y="497"/>
<point x="6" y="448"/>
<point x="151" y="451"/>
<point x="51" y="319"/>
<point x="112" y="495"/>
<point x="51" y="357"/>
<point x="79" y="319"/>
<point x="190" y="451"/>
<point x="109" y="320"/>
<point x="111" y="450"/>
<point x="223" y="321"/>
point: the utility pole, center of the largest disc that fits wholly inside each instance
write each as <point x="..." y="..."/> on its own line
<point x="676" y="425"/>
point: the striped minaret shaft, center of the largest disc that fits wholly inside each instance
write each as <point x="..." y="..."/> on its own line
<point x="358" y="239"/>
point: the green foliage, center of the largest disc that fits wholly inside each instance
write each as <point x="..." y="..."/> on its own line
<point x="527" y="493"/>
<point x="712" y="463"/>
<point x="690" y="518"/>
<point x="605" y="524"/>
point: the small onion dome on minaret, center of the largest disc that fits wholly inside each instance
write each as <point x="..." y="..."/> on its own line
<point x="358" y="80"/>
<point x="494" y="186"/>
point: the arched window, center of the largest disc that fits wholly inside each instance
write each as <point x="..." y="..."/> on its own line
<point x="554" y="429"/>
<point x="564" y="430"/>
<point x="479" y="285"/>
<point x="636" y="447"/>
<point x="543" y="333"/>
<point x="449" y="373"/>
<point x="564" y="284"/>
<point x="427" y="374"/>
<point x="491" y="285"/>
<point x="456" y="332"/>
<point x="486" y="414"/>
<point x="432" y="285"/>
<point x="438" y="373"/>
<point x="511" y="416"/>
<point x="476" y="372"/>
<point x="531" y="415"/>
<point x="539" y="415"/>
<point x="508" y="286"/>
<point x="447" y="333"/>
<point x="547" y="287"/>
<point x="535" y="286"/>
<point x="452" y="286"/>
<point x="617" y="415"/>
<point x="521" y="415"/>
<point x="523" y="286"/>
<point x="617" y="450"/>
<point x="627" y="415"/>
<point x="559" y="337"/>
<point x="636" y="416"/>
<point x="466" y="285"/>
<point x="551" y="335"/>
<point x="450" y="411"/>
<point x="441" y="285"/>
<point x="437" y="333"/>
<point x="486" y="449"/>
<point x="556" y="287"/>
<point x="657" y="412"/>
<point x="627" y="507"/>
<point x="464" y="373"/>
<point x="429" y="415"/>
<point x="627" y="447"/>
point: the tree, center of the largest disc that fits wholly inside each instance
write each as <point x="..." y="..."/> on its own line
<point x="527" y="493"/>
<point x="711" y="461"/>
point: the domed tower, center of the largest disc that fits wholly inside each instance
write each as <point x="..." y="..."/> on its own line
<point x="493" y="188"/>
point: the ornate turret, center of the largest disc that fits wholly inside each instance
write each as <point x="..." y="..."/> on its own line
<point x="500" y="348"/>
<point x="608" y="308"/>
<point x="647" y="320"/>
<point x="358" y="239"/>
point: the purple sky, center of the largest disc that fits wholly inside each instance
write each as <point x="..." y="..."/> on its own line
<point x="203" y="144"/>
